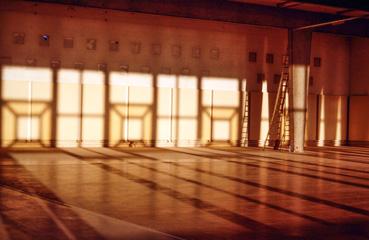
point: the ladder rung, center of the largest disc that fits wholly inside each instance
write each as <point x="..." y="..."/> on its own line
<point x="279" y="127"/>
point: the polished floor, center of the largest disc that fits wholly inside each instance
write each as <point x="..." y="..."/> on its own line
<point x="184" y="193"/>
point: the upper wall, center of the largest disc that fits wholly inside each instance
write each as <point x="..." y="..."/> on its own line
<point x="359" y="66"/>
<point x="205" y="47"/>
<point x="333" y="75"/>
<point x="147" y="43"/>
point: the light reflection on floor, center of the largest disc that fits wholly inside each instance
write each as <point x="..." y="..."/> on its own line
<point x="184" y="193"/>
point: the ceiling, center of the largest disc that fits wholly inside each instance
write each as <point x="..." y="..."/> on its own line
<point x="349" y="8"/>
<point x="349" y="17"/>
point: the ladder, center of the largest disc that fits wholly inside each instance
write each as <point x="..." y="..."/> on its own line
<point x="279" y="127"/>
<point x="245" y="121"/>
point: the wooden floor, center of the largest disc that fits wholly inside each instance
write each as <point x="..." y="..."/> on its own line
<point x="184" y="193"/>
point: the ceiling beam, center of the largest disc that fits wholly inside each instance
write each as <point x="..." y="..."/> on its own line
<point x="288" y="4"/>
<point x="347" y="4"/>
<point x="333" y="23"/>
<point x="345" y="11"/>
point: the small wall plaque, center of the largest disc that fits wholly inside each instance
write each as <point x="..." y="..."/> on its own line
<point x="185" y="71"/>
<point x="156" y="49"/>
<point x="317" y="62"/>
<point x="55" y="63"/>
<point x="269" y="58"/>
<point x="44" y="40"/>
<point x="252" y="57"/>
<point x="277" y="78"/>
<point x="176" y="51"/>
<point x="31" y="61"/>
<point x="260" y="77"/>
<point x="166" y="70"/>
<point x="18" y="38"/>
<point x="114" y="46"/>
<point x="311" y="81"/>
<point x="135" y="47"/>
<point x="196" y="52"/>
<point x="214" y="53"/>
<point x="205" y="73"/>
<point x="102" y="66"/>
<point x="124" y="68"/>
<point x="91" y="44"/>
<point x="79" y="65"/>
<point x="68" y="43"/>
<point x="145" y="69"/>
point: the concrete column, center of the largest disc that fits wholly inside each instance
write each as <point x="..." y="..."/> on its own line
<point x="154" y="120"/>
<point x="106" y="140"/>
<point x="1" y="105"/>
<point x="54" y="108"/>
<point x="300" y="46"/>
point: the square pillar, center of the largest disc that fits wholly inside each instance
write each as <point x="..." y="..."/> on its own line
<point x="300" y="47"/>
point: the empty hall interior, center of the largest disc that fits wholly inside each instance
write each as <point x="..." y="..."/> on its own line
<point x="184" y="119"/>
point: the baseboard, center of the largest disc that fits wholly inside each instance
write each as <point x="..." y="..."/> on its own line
<point x="121" y="143"/>
<point x="322" y="143"/>
<point x="168" y="143"/>
<point x="358" y="143"/>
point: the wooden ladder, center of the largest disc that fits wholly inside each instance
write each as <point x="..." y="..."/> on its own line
<point x="278" y="135"/>
<point x="245" y="121"/>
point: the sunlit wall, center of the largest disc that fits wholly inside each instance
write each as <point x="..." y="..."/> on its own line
<point x="220" y="109"/>
<point x="177" y="110"/>
<point x="80" y="108"/>
<point x="130" y="108"/>
<point x="26" y="107"/>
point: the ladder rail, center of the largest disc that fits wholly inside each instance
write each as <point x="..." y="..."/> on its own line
<point x="278" y="111"/>
<point x="245" y="119"/>
<point x="286" y="129"/>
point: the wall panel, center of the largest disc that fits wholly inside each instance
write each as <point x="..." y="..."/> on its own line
<point x="359" y="66"/>
<point x="69" y="108"/>
<point x="26" y="105"/>
<point x="332" y="120"/>
<point x="333" y="75"/>
<point x="359" y="115"/>
<point x="312" y="114"/>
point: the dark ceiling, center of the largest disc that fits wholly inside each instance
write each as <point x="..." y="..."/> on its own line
<point x="342" y="4"/>
<point x="343" y="7"/>
<point x="348" y="4"/>
<point x="275" y="13"/>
